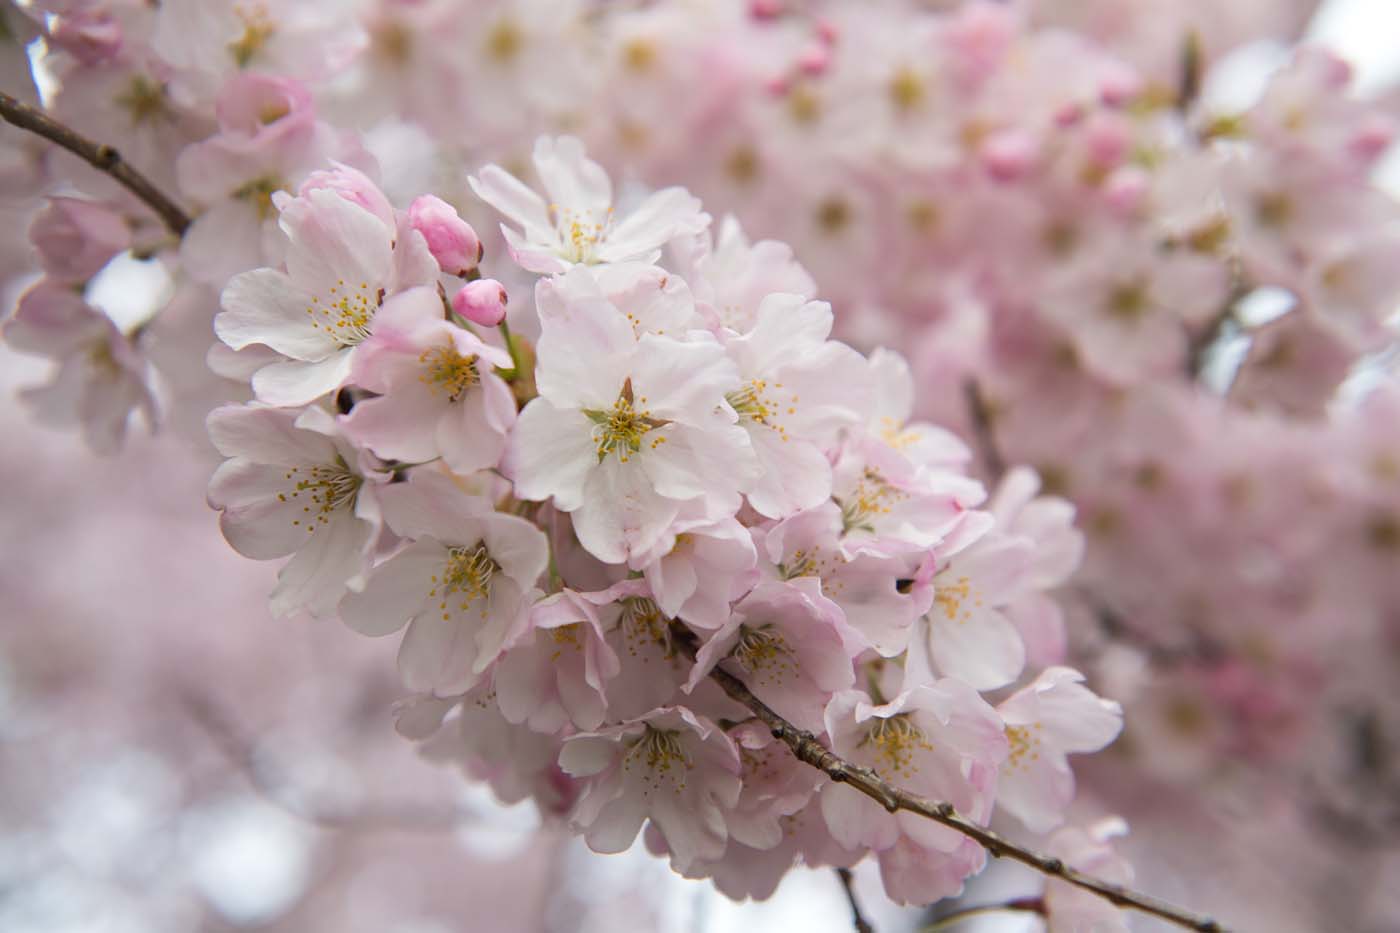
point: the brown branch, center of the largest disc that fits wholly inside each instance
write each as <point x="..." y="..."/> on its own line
<point x="1191" y="70"/>
<point x="1200" y="344"/>
<point x="1033" y="905"/>
<point x="268" y="782"/>
<point x="100" y="156"/>
<point x="805" y="747"/>
<point x="980" y="414"/>
<point x="857" y="918"/>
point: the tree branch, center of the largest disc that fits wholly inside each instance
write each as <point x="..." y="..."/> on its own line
<point x="805" y="747"/>
<point x="857" y="918"/>
<point x="1033" y="905"/>
<point x="391" y="815"/>
<point x="980" y="414"/>
<point x="100" y="156"/>
<point x="1200" y="344"/>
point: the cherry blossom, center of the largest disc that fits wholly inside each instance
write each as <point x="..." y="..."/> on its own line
<point x="102" y="375"/>
<point x="670" y="766"/>
<point x="787" y="646"/>
<point x="1088" y="849"/>
<point x="577" y="224"/>
<point x="342" y="261"/>
<point x="293" y="484"/>
<point x="940" y="740"/>
<point x="558" y="670"/>
<point x="452" y="241"/>
<point x="439" y="394"/>
<point x="269" y="140"/>
<point x="625" y="431"/>
<point x="463" y="587"/>
<point x="1046" y="719"/>
<point x="607" y="461"/>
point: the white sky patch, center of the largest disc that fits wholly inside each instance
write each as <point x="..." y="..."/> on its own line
<point x="131" y="291"/>
<point x="250" y="860"/>
<point x="1365" y="33"/>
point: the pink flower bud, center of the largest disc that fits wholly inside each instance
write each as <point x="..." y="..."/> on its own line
<point x="1371" y="139"/>
<point x="980" y="37"/>
<point x="354" y="186"/>
<point x="256" y="105"/>
<point x="90" y="37"/>
<point x="1068" y="115"/>
<point x="1119" y="85"/>
<point x="1009" y="154"/>
<point x="814" y="60"/>
<point x="76" y="238"/>
<point x="1108" y="139"/>
<point x="481" y="302"/>
<point x="1126" y="189"/>
<point x="765" y="9"/>
<point x="451" y="240"/>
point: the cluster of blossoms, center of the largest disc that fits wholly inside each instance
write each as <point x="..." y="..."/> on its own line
<point x="682" y="473"/>
<point x="1159" y="290"/>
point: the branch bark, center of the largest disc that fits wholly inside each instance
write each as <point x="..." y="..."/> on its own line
<point x="857" y="918"/>
<point x="99" y="155"/>
<point x="1033" y="905"/>
<point x="267" y="781"/>
<point x="984" y="434"/>
<point x="805" y="747"/>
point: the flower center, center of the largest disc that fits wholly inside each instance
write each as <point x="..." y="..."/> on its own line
<point x="623" y="427"/>
<point x="323" y="490"/>
<point x="143" y="100"/>
<point x="764" y="651"/>
<point x="896" y="740"/>
<point x="661" y="756"/>
<point x="579" y="233"/>
<point x="467" y="575"/>
<point x="895" y="434"/>
<point x="448" y="371"/>
<point x="906" y="90"/>
<point x="391" y="42"/>
<point x="644" y="626"/>
<point x="504" y="41"/>
<point x="566" y="638"/>
<point x="259" y="193"/>
<point x="101" y="362"/>
<point x="347" y="312"/>
<point x="952" y="596"/>
<point x="805" y="562"/>
<point x="1128" y="301"/>
<point x="872" y="497"/>
<point x="1024" y="743"/>
<point x="754" y="403"/>
<point x="258" y="28"/>
<point x="804" y="105"/>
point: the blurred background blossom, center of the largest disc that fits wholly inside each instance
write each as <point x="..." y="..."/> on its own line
<point x="172" y="758"/>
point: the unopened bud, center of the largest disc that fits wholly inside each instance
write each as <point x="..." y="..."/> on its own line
<point x="481" y="302"/>
<point x="352" y="185"/>
<point x="451" y="240"/>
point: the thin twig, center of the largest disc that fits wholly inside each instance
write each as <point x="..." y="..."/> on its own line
<point x="1192" y="69"/>
<point x="1197" y="648"/>
<point x="805" y="747"/>
<point x="984" y="434"/>
<point x="100" y="156"/>
<point x="1200" y="344"/>
<point x="1034" y="905"/>
<point x="409" y="816"/>
<point x="857" y="918"/>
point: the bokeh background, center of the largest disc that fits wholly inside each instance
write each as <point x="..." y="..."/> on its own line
<point x="173" y="759"/>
